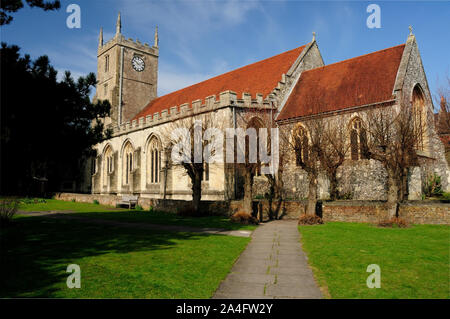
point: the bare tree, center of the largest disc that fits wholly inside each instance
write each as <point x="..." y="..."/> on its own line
<point x="259" y="119"/>
<point x="394" y="136"/>
<point x="249" y="168"/>
<point x="187" y="144"/>
<point x="305" y="141"/>
<point x="442" y="98"/>
<point x="333" y="150"/>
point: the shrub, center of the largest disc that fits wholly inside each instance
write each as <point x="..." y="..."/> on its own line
<point x="150" y="209"/>
<point x="245" y="218"/>
<point x="95" y="202"/>
<point x="32" y="200"/>
<point x="8" y="208"/>
<point x="345" y="196"/>
<point x="394" y="222"/>
<point x="138" y="207"/>
<point x="433" y="186"/>
<point x="445" y="198"/>
<point x="310" y="220"/>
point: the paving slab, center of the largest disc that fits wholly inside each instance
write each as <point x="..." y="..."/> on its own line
<point x="272" y="266"/>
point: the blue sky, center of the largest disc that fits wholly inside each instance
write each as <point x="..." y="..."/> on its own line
<point x="200" y="39"/>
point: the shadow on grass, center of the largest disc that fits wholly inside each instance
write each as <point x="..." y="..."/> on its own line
<point x="163" y="218"/>
<point x="35" y="251"/>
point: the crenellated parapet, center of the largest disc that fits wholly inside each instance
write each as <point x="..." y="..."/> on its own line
<point x="210" y="103"/>
<point x="119" y="39"/>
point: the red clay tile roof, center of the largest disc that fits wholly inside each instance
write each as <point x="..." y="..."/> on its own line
<point x="260" y="77"/>
<point x="358" y="81"/>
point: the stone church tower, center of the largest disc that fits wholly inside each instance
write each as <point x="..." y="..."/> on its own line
<point x="127" y="74"/>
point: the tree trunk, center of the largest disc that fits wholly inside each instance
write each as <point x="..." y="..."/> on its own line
<point x="312" y="195"/>
<point x="248" y="194"/>
<point x="278" y="193"/>
<point x="271" y="194"/>
<point x="333" y="186"/>
<point x="394" y="189"/>
<point x="196" y="192"/>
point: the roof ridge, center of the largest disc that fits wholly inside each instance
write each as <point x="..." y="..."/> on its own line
<point x="355" y="58"/>
<point x="241" y="67"/>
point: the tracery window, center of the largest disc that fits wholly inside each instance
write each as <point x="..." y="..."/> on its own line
<point x="419" y="116"/>
<point x="154" y="161"/>
<point x="301" y="145"/>
<point x="358" y="140"/>
<point x="128" y="162"/>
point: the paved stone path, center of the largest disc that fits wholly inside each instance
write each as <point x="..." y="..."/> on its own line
<point x="139" y="225"/>
<point x="273" y="266"/>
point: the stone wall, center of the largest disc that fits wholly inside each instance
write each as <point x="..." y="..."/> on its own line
<point x="109" y="200"/>
<point x="219" y="208"/>
<point x="414" y="212"/>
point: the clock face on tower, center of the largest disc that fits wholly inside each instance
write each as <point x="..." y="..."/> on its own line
<point x="138" y="63"/>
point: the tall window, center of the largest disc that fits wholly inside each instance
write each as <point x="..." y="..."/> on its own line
<point x="255" y="123"/>
<point x="206" y="172"/>
<point x="301" y="145"/>
<point x="128" y="162"/>
<point x="419" y="115"/>
<point x="358" y="140"/>
<point x="108" y="164"/>
<point x="154" y="161"/>
<point x="107" y="63"/>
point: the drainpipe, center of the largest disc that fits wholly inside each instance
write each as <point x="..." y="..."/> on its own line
<point x="120" y="86"/>
<point x="235" y="172"/>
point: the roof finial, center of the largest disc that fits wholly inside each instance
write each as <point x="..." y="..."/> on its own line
<point x="410" y="30"/>
<point x="100" y="38"/>
<point x="314" y="36"/>
<point x="156" y="37"/>
<point x="118" y="25"/>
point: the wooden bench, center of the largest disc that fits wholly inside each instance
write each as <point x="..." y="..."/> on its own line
<point x="128" y="200"/>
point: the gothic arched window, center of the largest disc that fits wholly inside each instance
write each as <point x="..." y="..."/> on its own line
<point x="127" y="162"/>
<point x="153" y="161"/>
<point x="107" y="164"/>
<point x="419" y="116"/>
<point x="255" y="123"/>
<point x="301" y="145"/>
<point x="358" y="140"/>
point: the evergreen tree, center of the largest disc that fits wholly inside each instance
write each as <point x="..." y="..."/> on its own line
<point x="47" y="126"/>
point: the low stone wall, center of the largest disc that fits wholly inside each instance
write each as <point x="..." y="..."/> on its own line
<point x="221" y="208"/>
<point x="426" y="213"/>
<point x="109" y="200"/>
<point x="354" y="211"/>
<point x="415" y="212"/>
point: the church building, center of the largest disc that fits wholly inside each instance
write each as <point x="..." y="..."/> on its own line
<point x="134" y="160"/>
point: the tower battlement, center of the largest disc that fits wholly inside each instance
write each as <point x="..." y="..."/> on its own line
<point x="127" y="74"/>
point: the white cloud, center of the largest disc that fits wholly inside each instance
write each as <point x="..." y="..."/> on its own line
<point x="185" y="24"/>
<point x="172" y="81"/>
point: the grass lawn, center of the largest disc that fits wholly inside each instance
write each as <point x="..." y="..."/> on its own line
<point x="53" y="205"/>
<point x="115" y="262"/>
<point x="106" y="212"/>
<point x="162" y="218"/>
<point x="414" y="262"/>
